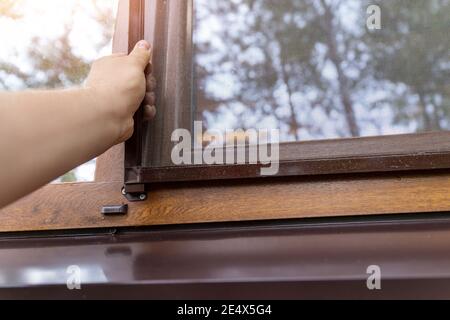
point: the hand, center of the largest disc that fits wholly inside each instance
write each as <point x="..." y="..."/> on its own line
<point x="118" y="85"/>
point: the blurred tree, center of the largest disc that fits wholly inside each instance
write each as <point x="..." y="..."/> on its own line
<point x="54" y="62"/>
<point x="412" y="49"/>
<point x="293" y="41"/>
<point x="314" y="66"/>
<point x="68" y="177"/>
<point x="8" y="8"/>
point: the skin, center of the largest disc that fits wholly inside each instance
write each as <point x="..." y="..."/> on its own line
<point x="44" y="134"/>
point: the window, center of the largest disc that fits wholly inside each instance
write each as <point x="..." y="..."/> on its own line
<point x="326" y="166"/>
<point x="321" y="70"/>
<point x="337" y="78"/>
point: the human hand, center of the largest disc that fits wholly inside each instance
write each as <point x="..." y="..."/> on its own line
<point x="118" y="85"/>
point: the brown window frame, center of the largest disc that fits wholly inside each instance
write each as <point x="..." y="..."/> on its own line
<point x="78" y="205"/>
<point x="173" y="67"/>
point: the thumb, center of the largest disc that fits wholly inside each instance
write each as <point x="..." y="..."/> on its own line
<point x="141" y="53"/>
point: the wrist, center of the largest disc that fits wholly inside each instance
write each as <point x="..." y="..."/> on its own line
<point x="104" y="114"/>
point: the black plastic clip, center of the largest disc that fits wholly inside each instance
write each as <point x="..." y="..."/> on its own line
<point x="135" y="192"/>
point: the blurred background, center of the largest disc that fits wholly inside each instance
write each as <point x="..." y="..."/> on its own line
<point x="314" y="70"/>
<point x="50" y="44"/>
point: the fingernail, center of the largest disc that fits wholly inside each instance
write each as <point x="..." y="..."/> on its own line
<point x="143" y="45"/>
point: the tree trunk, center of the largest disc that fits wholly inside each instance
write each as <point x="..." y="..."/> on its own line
<point x="427" y="125"/>
<point x="344" y="91"/>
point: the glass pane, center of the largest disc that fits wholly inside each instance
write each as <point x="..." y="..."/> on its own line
<point x="323" y="69"/>
<point x="50" y="44"/>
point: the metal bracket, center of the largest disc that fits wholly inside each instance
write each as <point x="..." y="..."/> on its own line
<point x="135" y="193"/>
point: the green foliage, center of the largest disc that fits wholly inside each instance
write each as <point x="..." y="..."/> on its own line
<point x="69" y="177"/>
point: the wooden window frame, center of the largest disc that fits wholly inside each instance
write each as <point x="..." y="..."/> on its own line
<point x="78" y="205"/>
<point x="170" y="30"/>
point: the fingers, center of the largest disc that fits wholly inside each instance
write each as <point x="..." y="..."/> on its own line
<point x="150" y="98"/>
<point x="151" y="83"/>
<point x="141" y="53"/>
<point x="149" y="106"/>
<point x="149" y="112"/>
<point x="118" y="55"/>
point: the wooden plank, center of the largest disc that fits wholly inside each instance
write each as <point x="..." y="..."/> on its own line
<point x="136" y="32"/>
<point x="388" y="145"/>
<point x="109" y="166"/>
<point x="74" y="206"/>
<point x="290" y="168"/>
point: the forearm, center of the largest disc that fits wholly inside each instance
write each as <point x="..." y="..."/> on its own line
<point x="44" y="134"/>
